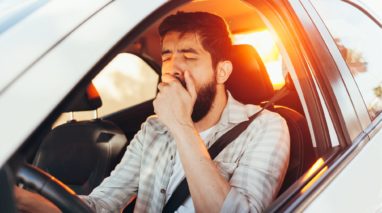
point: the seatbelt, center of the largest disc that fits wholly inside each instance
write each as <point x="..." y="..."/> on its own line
<point x="182" y="192"/>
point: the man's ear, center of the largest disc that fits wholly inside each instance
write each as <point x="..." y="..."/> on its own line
<point x="224" y="70"/>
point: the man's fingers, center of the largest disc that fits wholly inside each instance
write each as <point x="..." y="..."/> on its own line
<point x="168" y="78"/>
<point x="190" y="84"/>
<point x="161" y="86"/>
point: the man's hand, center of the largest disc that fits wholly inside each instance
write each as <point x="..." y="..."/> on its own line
<point x="30" y="202"/>
<point x="174" y="104"/>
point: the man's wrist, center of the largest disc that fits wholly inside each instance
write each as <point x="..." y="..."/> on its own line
<point x="182" y="129"/>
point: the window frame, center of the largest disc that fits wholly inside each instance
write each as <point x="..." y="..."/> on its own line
<point x="306" y="25"/>
<point x="283" y="24"/>
<point x="363" y="114"/>
<point x="351" y="85"/>
<point x="336" y="75"/>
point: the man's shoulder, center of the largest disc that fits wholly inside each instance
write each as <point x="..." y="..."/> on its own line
<point x="237" y="107"/>
<point x="154" y="124"/>
<point x="266" y="113"/>
<point x="267" y="116"/>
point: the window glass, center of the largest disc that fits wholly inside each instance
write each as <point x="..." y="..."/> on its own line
<point x="126" y="81"/>
<point x="359" y="40"/>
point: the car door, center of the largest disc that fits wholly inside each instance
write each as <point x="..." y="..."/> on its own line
<point x="342" y="182"/>
<point x="356" y="41"/>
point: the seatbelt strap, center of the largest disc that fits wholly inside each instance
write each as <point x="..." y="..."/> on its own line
<point x="182" y="192"/>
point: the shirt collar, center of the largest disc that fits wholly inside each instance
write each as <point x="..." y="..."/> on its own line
<point x="234" y="112"/>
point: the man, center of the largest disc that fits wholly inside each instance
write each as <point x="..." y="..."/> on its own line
<point x="193" y="109"/>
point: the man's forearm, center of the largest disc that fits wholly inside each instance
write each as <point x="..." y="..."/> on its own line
<point x="207" y="187"/>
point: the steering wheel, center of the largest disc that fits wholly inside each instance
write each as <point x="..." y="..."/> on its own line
<point x="51" y="188"/>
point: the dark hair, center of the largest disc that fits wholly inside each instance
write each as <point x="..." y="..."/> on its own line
<point x="212" y="29"/>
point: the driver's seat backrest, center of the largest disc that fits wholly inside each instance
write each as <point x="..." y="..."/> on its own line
<point x="82" y="153"/>
<point x="249" y="83"/>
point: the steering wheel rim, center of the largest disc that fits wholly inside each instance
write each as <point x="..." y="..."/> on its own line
<point x="51" y="188"/>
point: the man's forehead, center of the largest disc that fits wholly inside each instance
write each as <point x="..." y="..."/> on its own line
<point x="182" y="40"/>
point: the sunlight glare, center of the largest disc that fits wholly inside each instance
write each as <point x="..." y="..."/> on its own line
<point x="265" y="45"/>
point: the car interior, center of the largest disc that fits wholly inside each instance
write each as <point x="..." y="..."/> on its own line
<point x="98" y="145"/>
<point x="82" y="152"/>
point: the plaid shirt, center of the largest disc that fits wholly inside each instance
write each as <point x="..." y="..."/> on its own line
<point x="254" y="164"/>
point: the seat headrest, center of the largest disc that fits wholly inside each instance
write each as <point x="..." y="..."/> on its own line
<point x="88" y="99"/>
<point x="249" y="82"/>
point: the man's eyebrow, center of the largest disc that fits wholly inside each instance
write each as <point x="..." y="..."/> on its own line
<point x="189" y="50"/>
<point x="165" y="52"/>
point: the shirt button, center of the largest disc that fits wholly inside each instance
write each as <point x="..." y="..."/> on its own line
<point x="162" y="191"/>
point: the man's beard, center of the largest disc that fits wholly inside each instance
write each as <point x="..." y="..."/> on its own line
<point x="204" y="100"/>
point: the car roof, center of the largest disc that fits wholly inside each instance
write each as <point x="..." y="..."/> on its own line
<point x="48" y="53"/>
<point x="36" y="27"/>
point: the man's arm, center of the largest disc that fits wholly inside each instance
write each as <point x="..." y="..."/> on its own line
<point x="262" y="166"/>
<point x="257" y="169"/>
<point x="257" y="177"/>
<point x="207" y="186"/>
<point x="174" y="106"/>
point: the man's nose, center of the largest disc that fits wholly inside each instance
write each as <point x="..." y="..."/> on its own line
<point x="175" y="68"/>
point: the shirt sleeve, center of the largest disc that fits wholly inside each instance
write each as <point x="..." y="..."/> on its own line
<point x="262" y="166"/>
<point x="115" y="191"/>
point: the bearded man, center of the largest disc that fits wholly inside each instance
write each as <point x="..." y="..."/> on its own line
<point x="193" y="109"/>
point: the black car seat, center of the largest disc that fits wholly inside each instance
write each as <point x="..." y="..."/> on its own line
<point x="82" y="153"/>
<point x="291" y="99"/>
<point x="249" y="83"/>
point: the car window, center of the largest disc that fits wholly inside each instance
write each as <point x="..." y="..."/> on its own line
<point x="359" y="40"/>
<point x="126" y="81"/>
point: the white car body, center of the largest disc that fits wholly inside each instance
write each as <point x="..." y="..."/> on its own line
<point x="37" y="39"/>
<point x="45" y="54"/>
